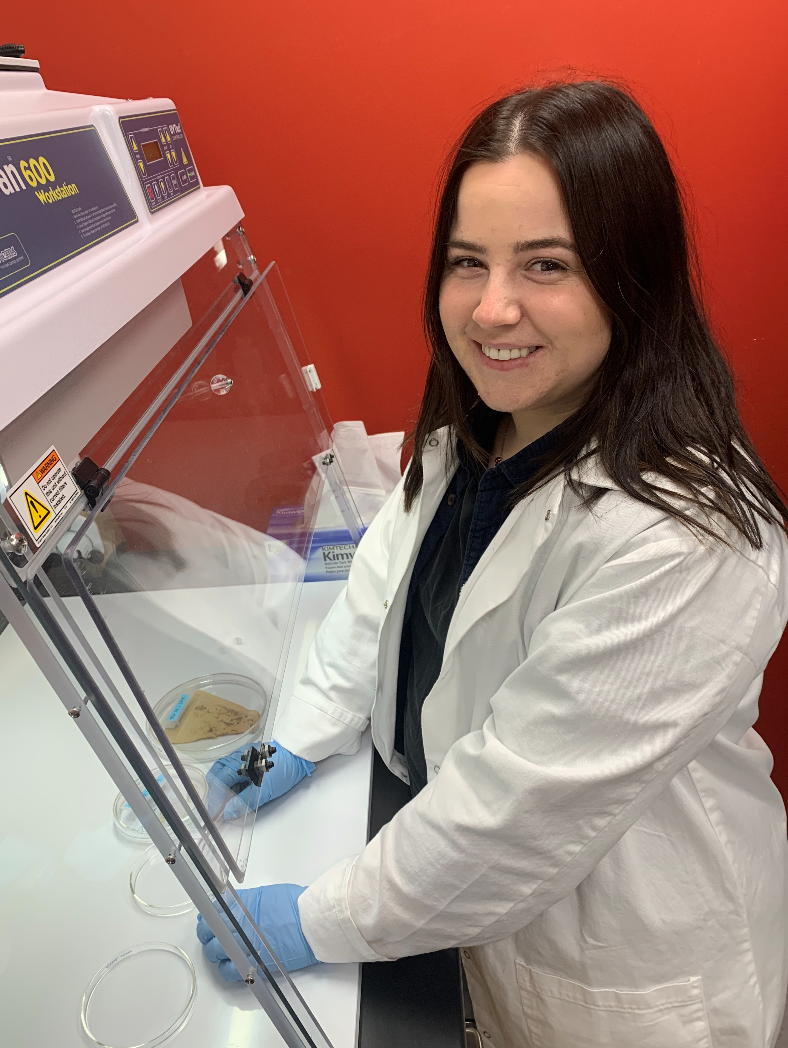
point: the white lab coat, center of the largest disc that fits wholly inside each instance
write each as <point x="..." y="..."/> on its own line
<point x="599" y="833"/>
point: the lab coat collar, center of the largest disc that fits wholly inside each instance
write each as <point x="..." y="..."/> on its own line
<point x="590" y="472"/>
<point x="509" y="556"/>
<point x="507" y="559"/>
<point x="439" y="462"/>
<point x="440" y="454"/>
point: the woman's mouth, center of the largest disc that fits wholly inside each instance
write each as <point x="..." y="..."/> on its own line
<point x="505" y="358"/>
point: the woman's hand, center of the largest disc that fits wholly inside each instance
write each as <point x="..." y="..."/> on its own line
<point x="274" y="909"/>
<point x="224" y="779"/>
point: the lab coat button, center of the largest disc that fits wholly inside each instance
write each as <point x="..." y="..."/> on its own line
<point x="451" y="499"/>
<point x="466" y="954"/>
<point x="485" y="1034"/>
<point x="385" y="603"/>
<point x="436" y="768"/>
<point x="433" y="443"/>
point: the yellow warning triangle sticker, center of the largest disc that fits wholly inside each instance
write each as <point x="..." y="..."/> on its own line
<point x="36" y="510"/>
<point x="184" y="157"/>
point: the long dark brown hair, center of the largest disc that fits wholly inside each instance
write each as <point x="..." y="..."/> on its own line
<point x="663" y="402"/>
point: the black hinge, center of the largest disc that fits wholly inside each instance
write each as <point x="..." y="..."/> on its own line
<point x="91" y="478"/>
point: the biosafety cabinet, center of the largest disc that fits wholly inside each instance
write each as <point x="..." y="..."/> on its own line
<point x="167" y="481"/>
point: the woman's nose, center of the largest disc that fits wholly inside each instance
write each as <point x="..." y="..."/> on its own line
<point x="499" y="306"/>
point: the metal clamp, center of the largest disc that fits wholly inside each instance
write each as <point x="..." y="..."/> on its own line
<point x="255" y="763"/>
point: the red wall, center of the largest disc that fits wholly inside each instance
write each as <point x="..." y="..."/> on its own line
<point x="330" y="120"/>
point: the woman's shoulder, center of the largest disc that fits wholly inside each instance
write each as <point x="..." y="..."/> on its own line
<point x="603" y="517"/>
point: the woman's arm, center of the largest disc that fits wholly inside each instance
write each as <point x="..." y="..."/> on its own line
<point x="331" y="705"/>
<point x="623" y="686"/>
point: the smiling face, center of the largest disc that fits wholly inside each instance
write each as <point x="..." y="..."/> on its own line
<point x="518" y="311"/>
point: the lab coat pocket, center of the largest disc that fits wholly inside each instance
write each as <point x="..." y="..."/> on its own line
<point x="559" y="1013"/>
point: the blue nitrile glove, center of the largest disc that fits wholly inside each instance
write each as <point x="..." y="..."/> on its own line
<point x="274" y="908"/>
<point x="288" y="770"/>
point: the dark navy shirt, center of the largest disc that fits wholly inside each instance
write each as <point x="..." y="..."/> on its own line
<point x="474" y="507"/>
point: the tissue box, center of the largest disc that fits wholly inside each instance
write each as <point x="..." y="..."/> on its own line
<point x="332" y="549"/>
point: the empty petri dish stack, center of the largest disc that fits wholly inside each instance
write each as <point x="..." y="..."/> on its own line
<point x="155" y="888"/>
<point x="155" y="974"/>
<point x="127" y="823"/>
<point x="209" y="717"/>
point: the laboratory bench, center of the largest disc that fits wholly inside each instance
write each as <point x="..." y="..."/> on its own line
<point x="67" y="905"/>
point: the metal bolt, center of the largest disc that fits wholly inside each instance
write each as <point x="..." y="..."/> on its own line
<point x="252" y="258"/>
<point x="249" y="980"/>
<point x="14" y="543"/>
<point x="239" y="230"/>
<point x="170" y="860"/>
<point x="74" y="712"/>
<point x="221" y="385"/>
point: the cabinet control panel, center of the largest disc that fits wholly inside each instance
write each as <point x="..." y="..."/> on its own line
<point x="161" y="157"/>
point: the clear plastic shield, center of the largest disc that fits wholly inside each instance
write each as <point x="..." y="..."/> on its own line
<point x="164" y="611"/>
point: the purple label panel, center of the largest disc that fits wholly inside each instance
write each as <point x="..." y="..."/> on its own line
<point x="61" y="195"/>
<point x="161" y="157"/>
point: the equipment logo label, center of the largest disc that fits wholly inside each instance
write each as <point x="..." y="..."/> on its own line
<point x="337" y="558"/>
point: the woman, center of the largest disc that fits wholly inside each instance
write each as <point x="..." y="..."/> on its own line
<point x="558" y="625"/>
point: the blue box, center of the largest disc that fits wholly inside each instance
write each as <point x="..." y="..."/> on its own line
<point x="332" y="549"/>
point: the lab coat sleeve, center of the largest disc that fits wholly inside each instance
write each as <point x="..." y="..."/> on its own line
<point x="624" y="684"/>
<point x="331" y="705"/>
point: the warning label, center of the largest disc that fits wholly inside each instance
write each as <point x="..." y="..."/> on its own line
<point x="37" y="510"/>
<point x="43" y="495"/>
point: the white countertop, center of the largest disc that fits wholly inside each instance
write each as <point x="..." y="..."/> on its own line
<point x="65" y="904"/>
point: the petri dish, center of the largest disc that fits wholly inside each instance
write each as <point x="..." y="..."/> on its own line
<point x="155" y="888"/>
<point x="127" y="823"/>
<point x="209" y="717"/>
<point x="156" y="973"/>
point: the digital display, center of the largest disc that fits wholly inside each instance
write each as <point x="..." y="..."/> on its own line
<point x="152" y="151"/>
<point x="161" y="157"/>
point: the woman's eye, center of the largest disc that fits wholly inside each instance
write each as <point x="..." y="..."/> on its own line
<point x="548" y="265"/>
<point x="465" y="263"/>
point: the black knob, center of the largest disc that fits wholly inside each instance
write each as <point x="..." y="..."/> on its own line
<point x="12" y="50"/>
